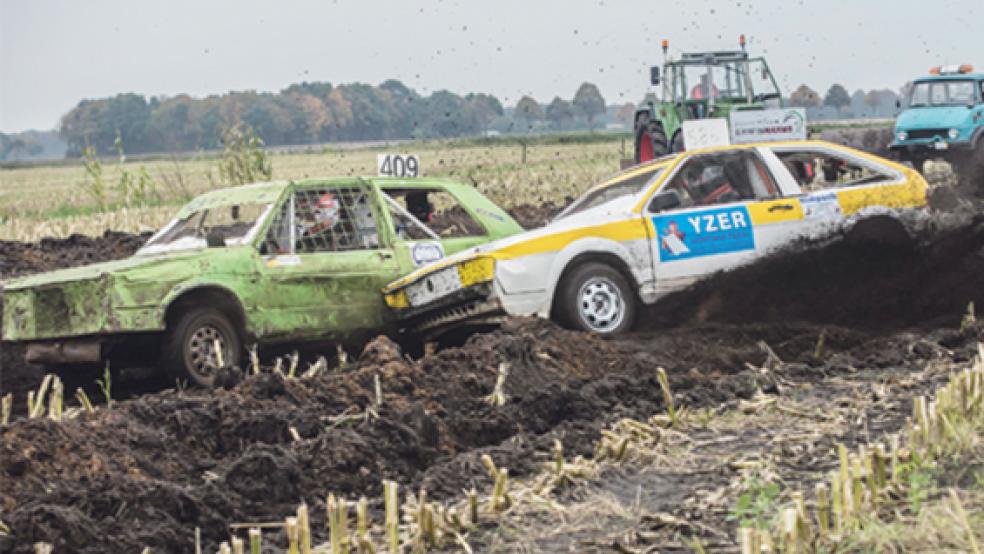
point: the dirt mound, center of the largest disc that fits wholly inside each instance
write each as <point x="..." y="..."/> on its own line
<point x="24" y="258"/>
<point x="182" y="459"/>
<point x="874" y="140"/>
<point x="531" y="216"/>
<point x="925" y="284"/>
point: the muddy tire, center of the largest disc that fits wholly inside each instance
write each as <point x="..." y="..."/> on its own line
<point x="650" y="141"/>
<point x="189" y="350"/>
<point x="596" y="297"/>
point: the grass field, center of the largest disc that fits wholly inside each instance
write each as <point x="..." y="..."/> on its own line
<point x="52" y="201"/>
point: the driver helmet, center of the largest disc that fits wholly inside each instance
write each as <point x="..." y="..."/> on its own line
<point x="325" y="213"/>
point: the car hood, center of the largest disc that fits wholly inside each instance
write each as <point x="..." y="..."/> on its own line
<point x="94" y="271"/>
<point x="940" y="117"/>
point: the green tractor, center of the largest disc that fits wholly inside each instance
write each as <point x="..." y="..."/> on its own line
<point x="698" y="86"/>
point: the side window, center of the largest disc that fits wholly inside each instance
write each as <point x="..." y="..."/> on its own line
<point x="722" y="178"/>
<point x="437" y="210"/>
<point x="323" y="220"/>
<point x="818" y="170"/>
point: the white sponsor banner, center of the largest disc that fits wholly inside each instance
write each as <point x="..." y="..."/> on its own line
<point x="768" y="125"/>
<point x="704" y="133"/>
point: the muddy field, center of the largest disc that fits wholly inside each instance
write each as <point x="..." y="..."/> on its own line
<point x="150" y="470"/>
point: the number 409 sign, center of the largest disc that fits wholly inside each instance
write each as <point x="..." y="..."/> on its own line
<point x="397" y="165"/>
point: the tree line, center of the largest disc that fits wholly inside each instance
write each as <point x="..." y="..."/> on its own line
<point x="303" y="113"/>
<point x="839" y="103"/>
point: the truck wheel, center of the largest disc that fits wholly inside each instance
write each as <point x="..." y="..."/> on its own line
<point x="650" y="140"/>
<point x="596" y="297"/>
<point x="191" y="347"/>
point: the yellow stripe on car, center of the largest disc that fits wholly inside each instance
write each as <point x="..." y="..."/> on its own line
<point x="618" y="231"/>
<point x="775" y="211"/>
<point x="910" y="194"/>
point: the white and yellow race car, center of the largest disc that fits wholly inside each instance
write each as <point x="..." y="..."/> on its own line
<point x="658" y="227"/>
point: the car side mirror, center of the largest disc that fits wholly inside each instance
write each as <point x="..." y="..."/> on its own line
<point x="215" y="239"/>
<point x="666" y="200"/>
<point x="654" y="75"/>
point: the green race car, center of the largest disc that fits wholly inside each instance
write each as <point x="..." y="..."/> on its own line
<point x="278" y="262"/>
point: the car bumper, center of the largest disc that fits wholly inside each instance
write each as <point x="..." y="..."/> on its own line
<point x="476" y="305"/>
<point x="929" y="147"/>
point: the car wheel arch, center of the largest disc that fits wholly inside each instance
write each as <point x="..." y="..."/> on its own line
<point x="607" y="257"/>
<point x="880" y="228"/>
<point x="213" y="295"/>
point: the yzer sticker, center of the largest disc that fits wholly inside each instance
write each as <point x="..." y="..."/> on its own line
<point x="426" y="252"/>
<point x="704" y="233"/>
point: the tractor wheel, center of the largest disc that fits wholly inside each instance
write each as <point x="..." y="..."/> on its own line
<point x="201" y="344"/>
<point x="677" y="144"/>
<point x="650" y="140"/>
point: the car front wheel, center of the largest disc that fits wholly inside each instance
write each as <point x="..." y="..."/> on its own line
<point x="201" y="343"/>
<point x="598" y="298"/>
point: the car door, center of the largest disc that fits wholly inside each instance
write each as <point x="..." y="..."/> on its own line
<point x="325" y="260"/>
<point x="724" y="210"/>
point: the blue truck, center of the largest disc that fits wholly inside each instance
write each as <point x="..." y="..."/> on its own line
<point x="943" y="118"/>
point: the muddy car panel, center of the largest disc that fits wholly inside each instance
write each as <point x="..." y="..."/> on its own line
<point x="282" y="296"/>
<point x="664" y="250"/>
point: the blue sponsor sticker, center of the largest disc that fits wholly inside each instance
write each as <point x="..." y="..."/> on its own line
<point x="703" y="233"/>
<point x="426" y="252"/>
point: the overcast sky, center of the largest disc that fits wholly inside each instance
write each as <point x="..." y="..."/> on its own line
<point x="54" y="53"/>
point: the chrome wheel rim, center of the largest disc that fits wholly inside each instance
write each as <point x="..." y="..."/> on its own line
<point x="600" y="304"/>
<point x="203" y="348"/>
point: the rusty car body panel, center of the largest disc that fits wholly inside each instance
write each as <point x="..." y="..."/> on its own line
<point x="276" y="296"/>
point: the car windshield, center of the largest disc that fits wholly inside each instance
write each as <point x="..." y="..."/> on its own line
<point x="626" y="187"/>
<point x="217" y="226"/>
<point x="942" y="93"/>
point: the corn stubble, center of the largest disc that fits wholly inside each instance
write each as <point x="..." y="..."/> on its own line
<point x="872" y="476"/>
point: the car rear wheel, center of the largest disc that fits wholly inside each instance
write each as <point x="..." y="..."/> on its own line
<point x="598" y="298"/>
<point x="202" y="342"/>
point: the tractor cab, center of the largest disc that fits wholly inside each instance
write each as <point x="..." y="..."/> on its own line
<point x="700" y="85"/>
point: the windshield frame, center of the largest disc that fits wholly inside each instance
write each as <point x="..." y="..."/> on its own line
<point x="654" y="171"/>
<point x="201" y="243"/>
<point x="975" y="88"/>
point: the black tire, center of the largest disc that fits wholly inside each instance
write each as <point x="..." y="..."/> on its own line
<point x="189" y="351"/>
<point x="677" y="144"/>
<point x="613" y="310"/>
<point x="650" y="140"/>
